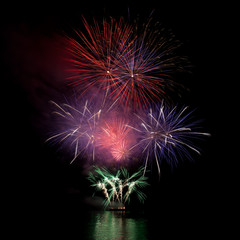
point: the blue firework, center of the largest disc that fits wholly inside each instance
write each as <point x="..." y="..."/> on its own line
<point x="167" y="134"/>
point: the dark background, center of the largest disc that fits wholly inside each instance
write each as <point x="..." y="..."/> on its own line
<point x="39" y="182"/>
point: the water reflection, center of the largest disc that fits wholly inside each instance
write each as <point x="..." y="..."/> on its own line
<point x="116" y="225"/>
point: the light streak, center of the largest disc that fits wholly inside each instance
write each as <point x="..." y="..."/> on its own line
<point x="117" y="183"/>
<point x="166" y="134"/>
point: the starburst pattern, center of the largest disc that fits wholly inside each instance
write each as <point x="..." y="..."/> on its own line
<point x="121" y="62"/>
<point x="79" y="126"/>
<point x="115" y="137"/>
<point x="167" y="134"/>
<point x="118" y="187"/>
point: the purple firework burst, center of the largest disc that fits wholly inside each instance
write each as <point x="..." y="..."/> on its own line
<point x="92" y="130"/>
<point x="77" y="127"/>
<point x="168" y="134"/>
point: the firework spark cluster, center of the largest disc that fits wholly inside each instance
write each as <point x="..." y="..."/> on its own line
<point x="118" y="187"/>
<point x="125" y="72"/>
<point x="120" y="61"/>
<point x="102" y="134"/>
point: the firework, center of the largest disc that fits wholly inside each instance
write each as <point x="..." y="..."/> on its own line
<point x="124" y="61"/>
<point x="116" y="138"/>
<point x="96" y="54"/>
<point x="146" y="70"/>
<point x="89" y="130"/>
<point x="79" y="128"/>
<point x="167" y="134"/>
<point x="118" y="187"/>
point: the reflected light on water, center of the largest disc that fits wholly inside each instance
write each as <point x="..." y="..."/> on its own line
<point x="116" y="225"/>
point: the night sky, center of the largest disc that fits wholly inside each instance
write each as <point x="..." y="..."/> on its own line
<point x="40" y="183"/>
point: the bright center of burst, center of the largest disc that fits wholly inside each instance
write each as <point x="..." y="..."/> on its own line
<point x="132" y="75"/>
<point x="156" y="135"/>
<point x="159" y="135"/>
<point x="92" y="139"/>
<point x="163" y="137"/>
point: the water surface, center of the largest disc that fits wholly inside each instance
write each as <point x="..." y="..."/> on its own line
<point x="104" y="225"/>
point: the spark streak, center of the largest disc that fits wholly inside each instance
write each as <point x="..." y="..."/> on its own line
<point x="114" y="185"/>
<point x="167" y="134"/>
<point x="80" y="128"/>
<point x="115" y="137"/>
<point x="122" y="60"/>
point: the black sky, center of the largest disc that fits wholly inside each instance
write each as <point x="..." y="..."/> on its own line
<point x="38" y="181"/>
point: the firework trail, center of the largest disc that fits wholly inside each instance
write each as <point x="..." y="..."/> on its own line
<point x="167" y="134"/>
<point x="132" y="63"/>
<point x="132" y="66"/>
<point x="79" y="126"/>
<point x="118" y="187"/>
<point x="96" y="54"/>
<point x="115" y="136"/>
<point x="92" y="131"/>
<point x="145" y="71"/>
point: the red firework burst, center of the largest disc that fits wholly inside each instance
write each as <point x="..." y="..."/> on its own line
<point x="96" y="56"/>
<point x="115" y="138"/>
<point x="123" y="62"/>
